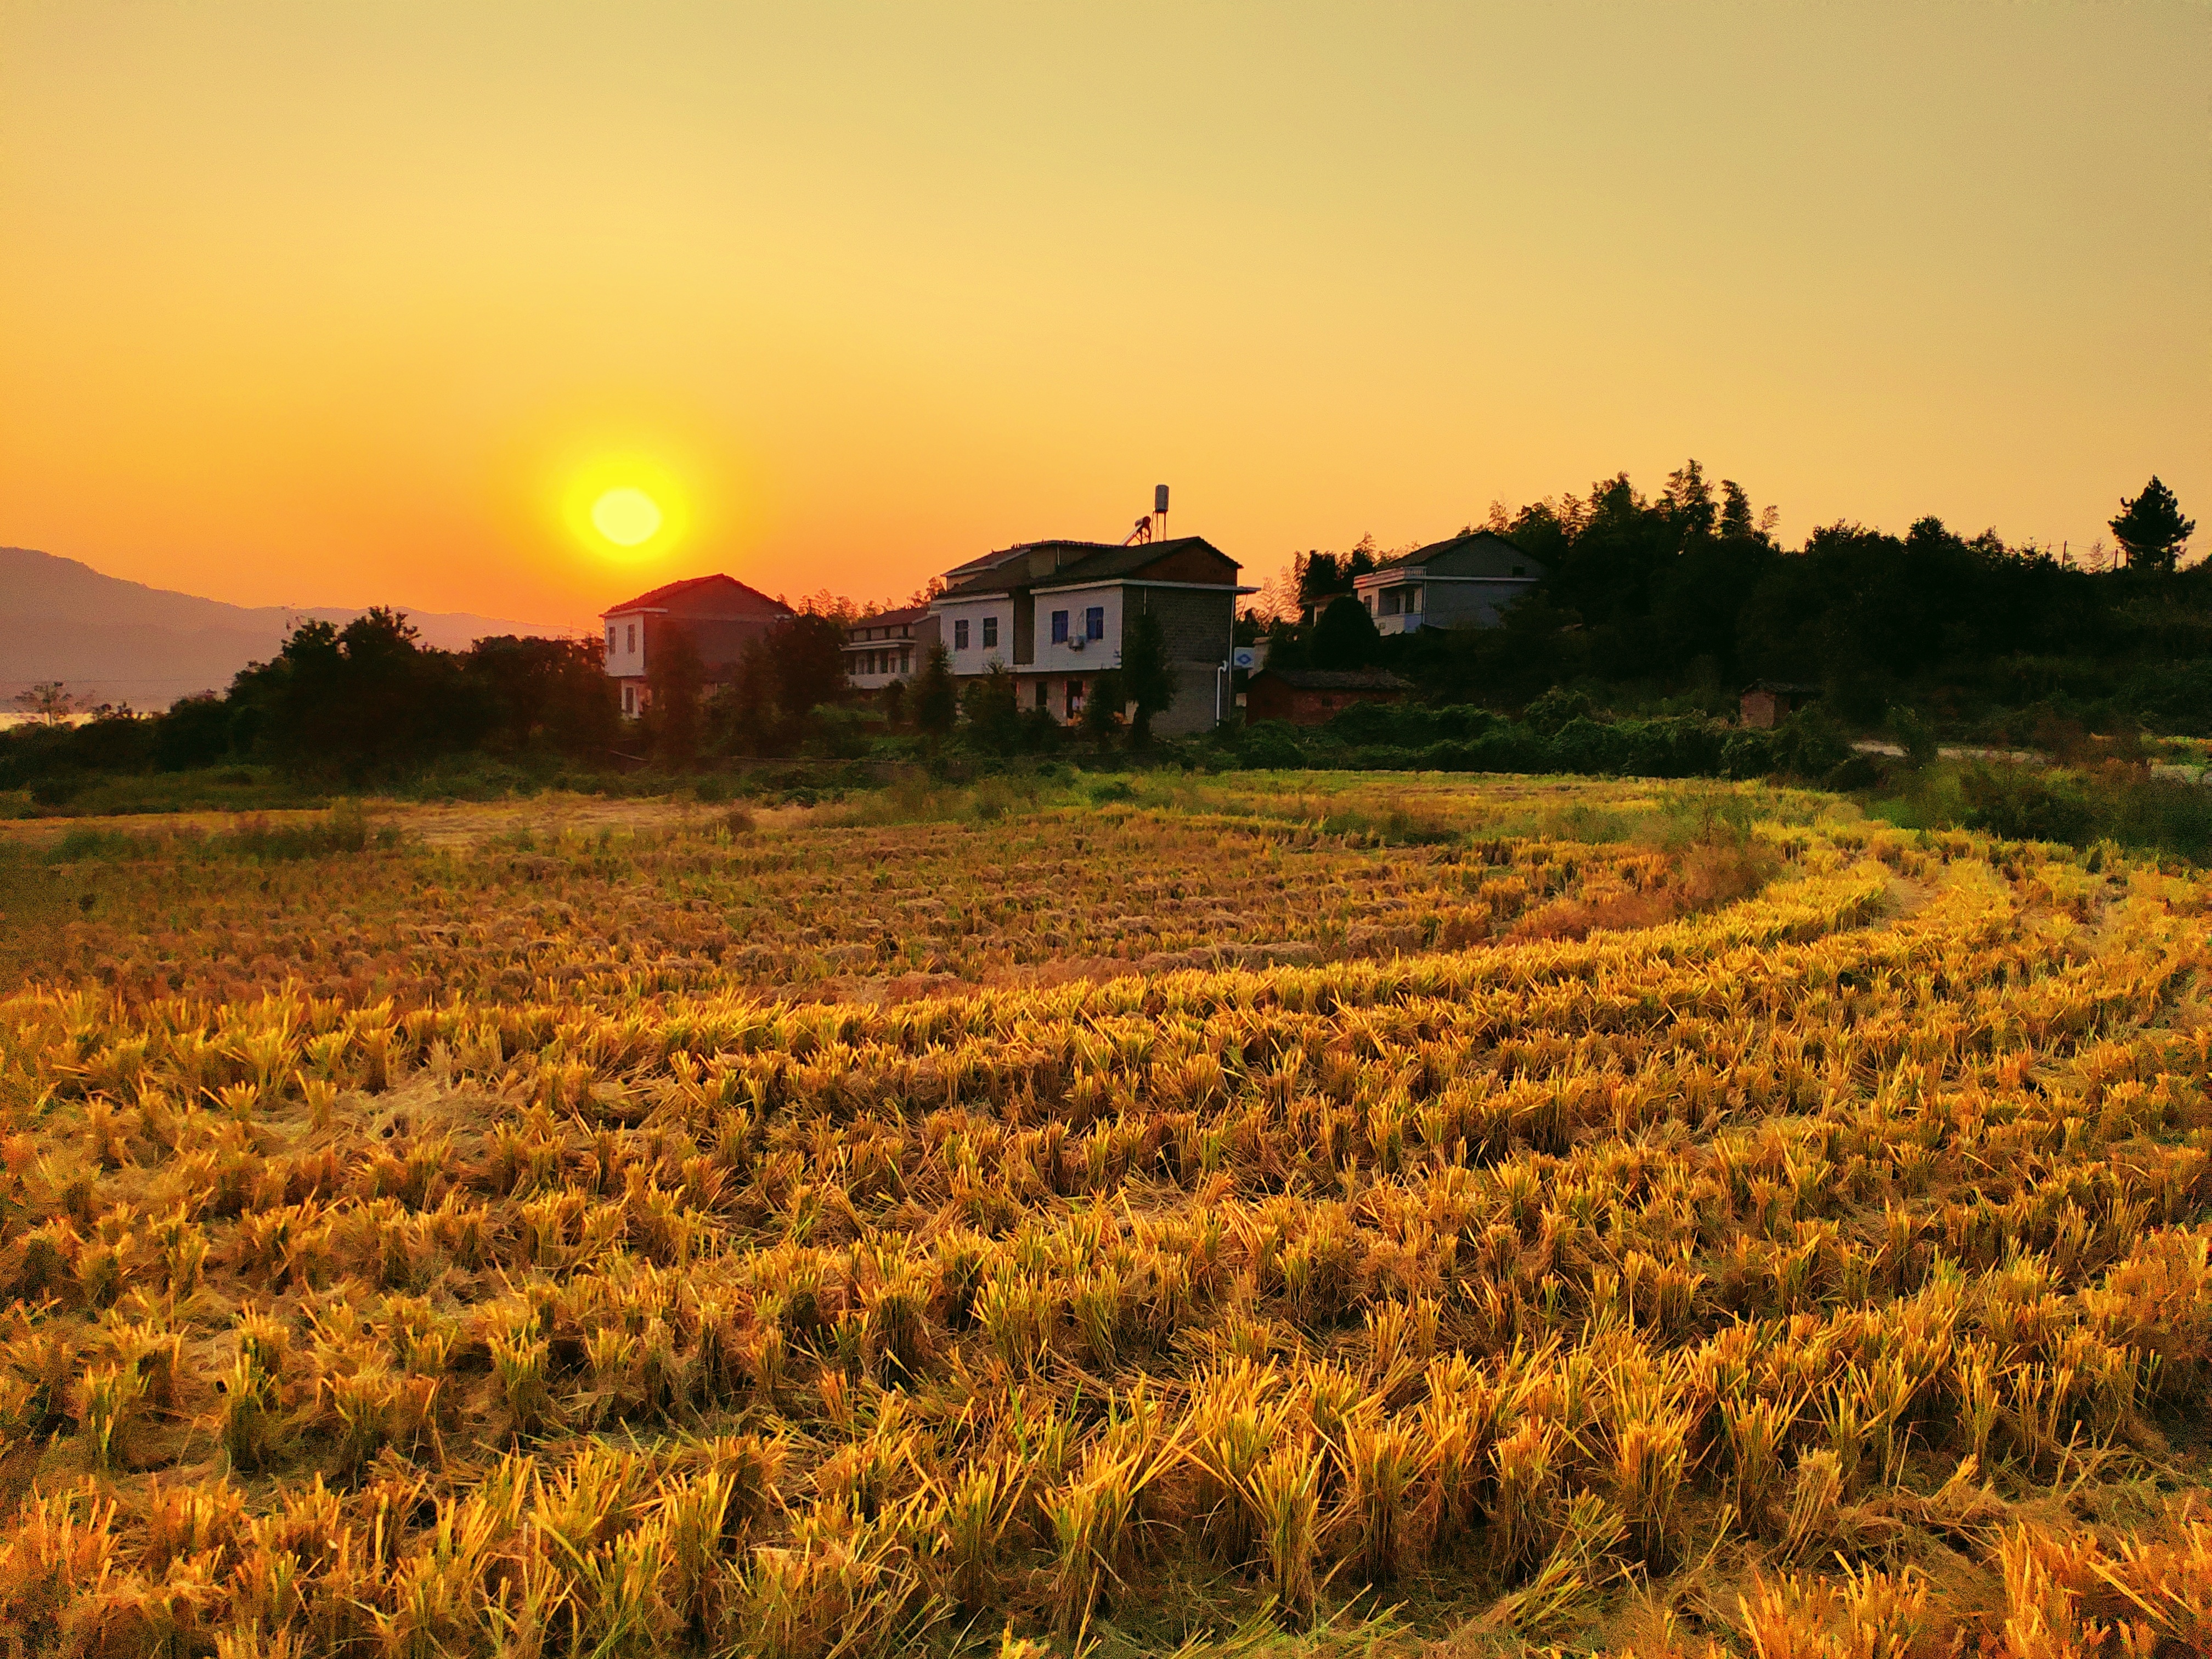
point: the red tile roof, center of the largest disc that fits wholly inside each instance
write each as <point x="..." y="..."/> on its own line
<point x="698" y="589"/>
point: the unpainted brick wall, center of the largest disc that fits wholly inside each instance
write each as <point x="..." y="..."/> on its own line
<point x="1196" y="626"/>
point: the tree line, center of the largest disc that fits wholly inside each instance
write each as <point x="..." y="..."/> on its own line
<point x="365" y="699"/>
<point x="369" y="701"/>
<point x="1689" y="592"/>
<point x="1684" y="594"/>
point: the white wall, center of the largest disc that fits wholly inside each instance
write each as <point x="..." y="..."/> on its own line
<point x="622" y="662"/>
<point x="1097" y="655"/>
<point x="977" y="658"/>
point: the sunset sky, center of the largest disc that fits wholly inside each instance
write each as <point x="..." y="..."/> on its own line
<point x="343" y="303"/>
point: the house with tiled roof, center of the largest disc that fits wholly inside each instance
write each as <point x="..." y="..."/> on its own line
<point x="1053" y="615"/>
<point x="888" y="645"/>
<point x="719" y="615"/>
<point x="1467" y="580"/>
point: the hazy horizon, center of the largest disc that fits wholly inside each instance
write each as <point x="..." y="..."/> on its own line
<point x="314" y="302"/>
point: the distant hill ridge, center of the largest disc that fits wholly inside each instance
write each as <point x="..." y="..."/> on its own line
<point x="113" y="641"/>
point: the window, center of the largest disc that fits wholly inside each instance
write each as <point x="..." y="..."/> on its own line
<point x="1094" y="624"/>
<point x="906" y="662"/>
<point x="1413" y="599"/>
<point x="610" y="637"/>
<point x="1519" y="569"/>
<point x="631" y="634"/>
<point x="1074" y="698"/>
<point x="960" y="635"/>
<point x="1059" y="628"/>
<point x="629" y="700"/>
<point x="1041" y="694"/>
<point x="990" y="632"/>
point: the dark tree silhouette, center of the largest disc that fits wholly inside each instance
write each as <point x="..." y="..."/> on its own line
<point x="936" y="698"/>
<point x="1147" y="680"/>
<point x="528" y="692"/>
<point x="1320" y="576"/>
<point x="990" y="703"/>
<point x="1102" y="709"/>
<point x="675" y="678"/>
<point x="2152" y="529"/>
<point x="1345" y="637"/>
<point x="810" y="663"/>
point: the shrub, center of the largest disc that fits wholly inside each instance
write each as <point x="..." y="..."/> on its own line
<point x="2023" y="805"/>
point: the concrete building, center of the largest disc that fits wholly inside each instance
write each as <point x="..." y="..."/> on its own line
<point x="719" y="615"/>
<point x="1465" y="583"/>
<point x="890" y="645"/>
<point x="1055" y="614"/>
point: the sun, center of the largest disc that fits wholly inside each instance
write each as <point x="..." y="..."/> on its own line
<point x="626" y="516"/>
<point x="626" y="507"/>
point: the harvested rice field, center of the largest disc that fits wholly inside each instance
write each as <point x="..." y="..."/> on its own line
<point x="1261" y="1215"/>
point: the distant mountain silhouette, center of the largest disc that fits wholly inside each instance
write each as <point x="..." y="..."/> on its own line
<point x="113" y="641"/>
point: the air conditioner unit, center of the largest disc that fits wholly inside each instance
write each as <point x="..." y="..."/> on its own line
<point x="1075" y="641"/>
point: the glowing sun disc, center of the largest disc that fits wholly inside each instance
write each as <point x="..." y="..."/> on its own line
<point x="626" y="516"/>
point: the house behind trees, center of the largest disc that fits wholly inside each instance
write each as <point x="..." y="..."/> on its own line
<point x="1466" y="582"/>
<point x="890" y="645"/>
<point x="718" y="615"/>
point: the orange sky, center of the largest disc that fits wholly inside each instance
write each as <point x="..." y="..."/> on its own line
<point x="334" y="303"/>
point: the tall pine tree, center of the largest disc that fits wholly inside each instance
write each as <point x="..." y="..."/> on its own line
<point x="2152" y="529"/>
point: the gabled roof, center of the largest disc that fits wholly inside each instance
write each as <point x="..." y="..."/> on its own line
<point x="1068" y="564"/>
<point x="1471" y="553"/>
<point x="890" y="618"/>
<point x="1335" y="679"/>
<point x="1782" y="688"/>
<point x="705" y="597"/>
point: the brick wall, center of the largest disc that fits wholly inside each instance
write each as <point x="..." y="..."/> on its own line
<point x="1196" y="624"/>
<point x="1196" y="627"/>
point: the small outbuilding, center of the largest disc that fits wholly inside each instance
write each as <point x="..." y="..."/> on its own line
<point x="1767" y="703"/>
<point x="1309" y="697"/>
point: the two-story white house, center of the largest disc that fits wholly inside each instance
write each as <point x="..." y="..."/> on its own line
<point x="1467" y="581"/>
<point x="1055" y="615"/>
<point x="719" y="616"/>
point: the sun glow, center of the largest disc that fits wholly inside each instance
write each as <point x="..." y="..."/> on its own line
<point x="626" y="516"/>
<point x="626" y="507"/>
